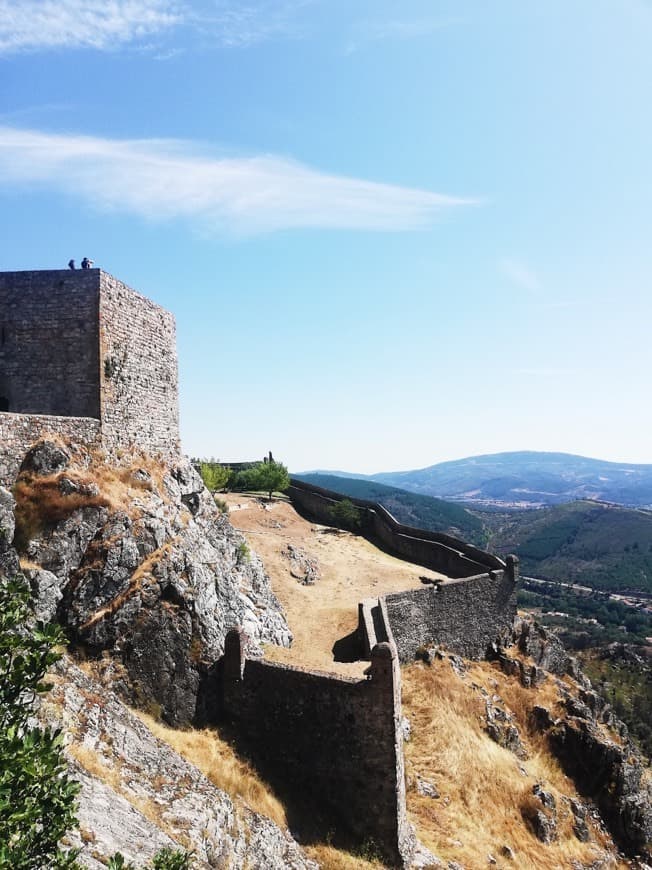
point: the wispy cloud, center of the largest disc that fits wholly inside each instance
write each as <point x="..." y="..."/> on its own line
<point x="107" y="25"/>
<point x="519" y="274"/>
<point x="162" y="179"/>
<point x="98" y="24"/>
<point x="239" y="24"/>
<point x="377" y="30"/>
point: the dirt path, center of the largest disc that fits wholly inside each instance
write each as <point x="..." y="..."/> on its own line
<point x="351" y="569"/>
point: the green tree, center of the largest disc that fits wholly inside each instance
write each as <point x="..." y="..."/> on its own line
<point x="37" y="797"/>
<point x="270" y="477"/>
<point x="215" y="476"/>
<point x="346" y="515"/>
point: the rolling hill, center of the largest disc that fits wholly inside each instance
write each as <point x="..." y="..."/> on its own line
<point x="599" y="545"/>
<point x="528" y="478"/>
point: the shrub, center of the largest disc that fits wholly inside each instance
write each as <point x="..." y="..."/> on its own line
<point x="346" y="515"/>
<point x="37" y="797"/>
<point x="215" y="476"/>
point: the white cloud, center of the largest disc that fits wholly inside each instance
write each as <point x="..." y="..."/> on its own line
<point x="99" y="24"/>
<point x="163" y="179"/>
<point x="520" y="274"/>
<point x="240" y="24"/>
<point x="104" y="25"/>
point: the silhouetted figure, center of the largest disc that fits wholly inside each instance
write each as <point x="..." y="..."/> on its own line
<point x="71" y="264"/>
<point x="86" y="263"/>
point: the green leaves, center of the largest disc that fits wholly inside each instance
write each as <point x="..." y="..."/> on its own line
<point x="165" y="859"/>
<point x="268" y="477"/>
<point x="37" y="797"/>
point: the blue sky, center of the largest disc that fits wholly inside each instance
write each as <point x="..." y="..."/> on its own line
<point x="391" y="233"/>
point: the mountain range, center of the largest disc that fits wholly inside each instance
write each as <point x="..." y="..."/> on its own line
<point x="525" y="479"/>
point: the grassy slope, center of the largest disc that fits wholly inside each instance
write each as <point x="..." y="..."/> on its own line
<point x="597" y="545"/>
<point x="414" y="510"/>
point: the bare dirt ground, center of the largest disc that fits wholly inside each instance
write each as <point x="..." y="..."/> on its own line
<point x="351" y="569"/>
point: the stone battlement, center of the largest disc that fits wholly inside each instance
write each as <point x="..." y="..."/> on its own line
<point x="85" y="357"/>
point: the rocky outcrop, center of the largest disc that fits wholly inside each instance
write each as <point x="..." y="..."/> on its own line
<point x="303" y="567"/>
<point x="138" y="795"/>
<point x="593" y="746"/>
<point x="143" y="565"/>
<point x="8" y="556"/>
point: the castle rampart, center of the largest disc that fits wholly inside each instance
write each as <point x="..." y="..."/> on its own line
<point x="434" y="550"/>
<point x="84" y="357"/>
<point x="336" y="738"/>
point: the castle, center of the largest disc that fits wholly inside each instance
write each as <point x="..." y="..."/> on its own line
<point x="85" y="357"/>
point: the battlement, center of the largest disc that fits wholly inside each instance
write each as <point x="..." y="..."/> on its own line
<point x="84" y="356"/>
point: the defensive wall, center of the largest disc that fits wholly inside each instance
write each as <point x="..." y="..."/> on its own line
<point x="85" y="357"/>
<point x="467" y="614"/>
<point x="336" y="738"/>
<point x="434" y="550"/>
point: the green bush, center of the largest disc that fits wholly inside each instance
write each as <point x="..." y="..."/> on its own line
<point x="215" y="476"/>
<point x="346" y="515"/>
<point x="37" y="797"/>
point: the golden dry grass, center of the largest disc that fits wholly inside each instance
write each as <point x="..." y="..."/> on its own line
<point x="218" y="761"/>
<point x="485" y="791"/>
<point x="111" y="775"/>
<point x="330" y="858"/>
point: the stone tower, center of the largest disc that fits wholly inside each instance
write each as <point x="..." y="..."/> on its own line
<point x="84" y="356"/>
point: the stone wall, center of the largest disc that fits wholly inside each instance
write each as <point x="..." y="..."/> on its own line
<point x="49" y="356"/>
<point x="138" y="371"/>
<point x="19" y="431"/>
<point x="333" y="738"/>
<point x="434" y="550"/>
<point x="466" y="616"/>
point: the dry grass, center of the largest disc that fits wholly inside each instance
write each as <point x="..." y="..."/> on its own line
<point x="485" y="791"/>
<point x="330" y="858"/>
<point x="41" y="503"/>
<point x="95" y="765"/>
<point x="218" y="762"/>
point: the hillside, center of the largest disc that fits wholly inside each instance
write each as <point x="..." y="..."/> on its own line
<point x="455" y="772"/>
<point x="598" y="545"/>
<point x="147" y="575"/>
<point x="421" y="511"/>
<point x="528" y="478"/>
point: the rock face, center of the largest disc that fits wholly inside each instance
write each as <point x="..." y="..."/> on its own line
<point x="138" y="795"/>
<point x="156" y="577"/>
<point x="593" y="746"/>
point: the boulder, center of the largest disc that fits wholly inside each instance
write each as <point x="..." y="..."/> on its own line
<point x="45" y="458"/>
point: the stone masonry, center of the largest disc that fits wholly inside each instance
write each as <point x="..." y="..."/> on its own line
<point x="84" y="357"/>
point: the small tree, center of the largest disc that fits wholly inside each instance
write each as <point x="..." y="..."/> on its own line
<point x="37" y="797"/>
<point x="268" y="476"/>
<point x="215" y="476"/>
<point x="346" y="515"/>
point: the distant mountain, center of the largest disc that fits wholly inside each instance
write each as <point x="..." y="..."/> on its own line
<point x="412" y="509"/>
<point x="528" y="478"/>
